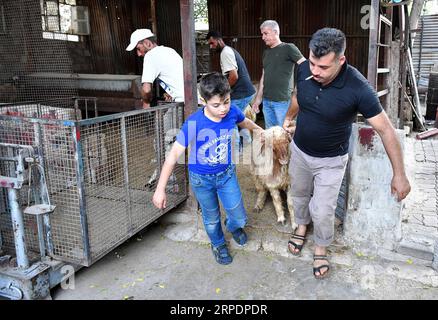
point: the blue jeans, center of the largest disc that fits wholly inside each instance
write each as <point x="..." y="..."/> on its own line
<point x="207" y="188"/>
<point x="274" y="112"/>
<point x="242" y="104"/>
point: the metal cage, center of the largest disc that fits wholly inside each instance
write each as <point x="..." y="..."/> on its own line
<point x="101" y="173"/>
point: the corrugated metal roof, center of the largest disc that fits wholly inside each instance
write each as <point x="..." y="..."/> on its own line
<point x="425" y="41"/>
<point x="239" y="22"/>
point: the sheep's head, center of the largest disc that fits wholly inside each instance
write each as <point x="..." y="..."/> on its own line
<point x="280" y="143"/>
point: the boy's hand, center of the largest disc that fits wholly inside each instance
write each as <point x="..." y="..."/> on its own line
<point x="159" y="199"/>
<point x="259" y="134"/>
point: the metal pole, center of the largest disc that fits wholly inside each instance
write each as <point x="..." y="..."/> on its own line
<point x="126" y="172"/>
<point x="42" y="244"/>
<point x="421" y="52"/>
<point x="18" y="227"/>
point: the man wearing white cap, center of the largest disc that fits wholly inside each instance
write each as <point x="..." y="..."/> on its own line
<point x="159" y="62"/>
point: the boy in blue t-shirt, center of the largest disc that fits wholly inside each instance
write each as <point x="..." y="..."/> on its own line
<point x="212" y="174"/>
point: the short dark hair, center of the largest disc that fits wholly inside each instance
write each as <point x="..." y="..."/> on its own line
<point x="327" y="40"/>
<point x="214" y="84"/>
<point x="214" y="34"/>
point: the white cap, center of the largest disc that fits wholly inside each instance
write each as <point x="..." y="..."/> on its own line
<point x="137" y="36"/>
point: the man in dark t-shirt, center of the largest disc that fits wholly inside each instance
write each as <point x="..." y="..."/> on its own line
<point x="234" y="68"/>
<point x="329" y="95"/>
<point x="276" y="83"/>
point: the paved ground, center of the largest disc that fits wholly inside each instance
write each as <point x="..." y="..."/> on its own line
<point x="171" y="259"/>
<point x="153" y="266"/>
<point x="420" y="217"/>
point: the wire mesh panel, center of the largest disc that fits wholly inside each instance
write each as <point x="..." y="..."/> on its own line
<point x="8" y="169"/>
<point x="149" y="137"/>
<point x="122" y="156"/>
<point x="106" y="199"/>
<point x="37" y="125"/>
<point x="32" y="68"/>
<point x="100" y="173"/>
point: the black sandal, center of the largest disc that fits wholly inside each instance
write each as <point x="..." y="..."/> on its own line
<point x="299" y="247"/>
<point x="318" y="269"/>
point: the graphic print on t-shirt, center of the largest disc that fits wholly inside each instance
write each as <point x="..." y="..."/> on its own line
<point x="215" y="151"/>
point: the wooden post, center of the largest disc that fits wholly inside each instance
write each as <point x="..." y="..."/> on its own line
<point x="372" y="48"/>
<point x="154" y="17"/>
<point x="189" y="57"/>
<point x="393" y="84"/>
<point x="190" y="74"/>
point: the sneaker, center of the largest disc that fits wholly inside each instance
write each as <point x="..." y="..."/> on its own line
<point x="221" y="254"/>
<point x="240" y="237"/>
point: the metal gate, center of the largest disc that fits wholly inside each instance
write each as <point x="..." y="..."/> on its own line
<point x="101" y="174"/>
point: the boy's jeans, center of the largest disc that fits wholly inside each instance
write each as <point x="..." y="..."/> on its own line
<point x="274" y="112"/>
<point x="207" y="188"/>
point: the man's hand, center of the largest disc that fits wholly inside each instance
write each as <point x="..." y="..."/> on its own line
<point x="289" y="126"/>
<point x="400" y="187"/>
<point x="159" y="199"/>
<point x="255" y="105"/>
<point x="167" y="97"/>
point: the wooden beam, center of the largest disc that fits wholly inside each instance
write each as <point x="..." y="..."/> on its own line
<point x="372" y="47"/>
<point x="383" y="70"/>
<point x="189" y="57"/>
<point x="382" y="93"/>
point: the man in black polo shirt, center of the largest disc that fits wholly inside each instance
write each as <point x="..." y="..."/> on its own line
<point x="329" y="95"/>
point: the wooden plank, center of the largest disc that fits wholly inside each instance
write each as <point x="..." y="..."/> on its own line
<point x="382" y="93"/>
<point x="373" y="49"/>
<point x="383" y="70"/>
<point x="392" y="83"/>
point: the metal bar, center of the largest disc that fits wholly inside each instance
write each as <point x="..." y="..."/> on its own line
<point x="81" y="192"/>
<point x="95" y="107"/>
<point x="39" y="142"/>
<point x="110" y="117"/>
<point x="414" y="84"/>
<point x="421" y="51"/>
<point x="126" y="172"/>
<point x="41" y="242"/>
<point x="385" y="20"/>
<point x="383" y="70"/>
<point x="383" y="45"/>
<point x="158" y="137"/>
<point x="18" y="227"/>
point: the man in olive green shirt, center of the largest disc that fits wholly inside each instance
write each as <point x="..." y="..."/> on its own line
<point x="276" y="84"/>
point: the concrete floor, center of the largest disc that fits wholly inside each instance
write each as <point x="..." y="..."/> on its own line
<point x="152" y="266"/>
<point x="171" y="259"/>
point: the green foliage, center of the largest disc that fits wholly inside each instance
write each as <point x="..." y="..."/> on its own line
<point x="200" y="10"/>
